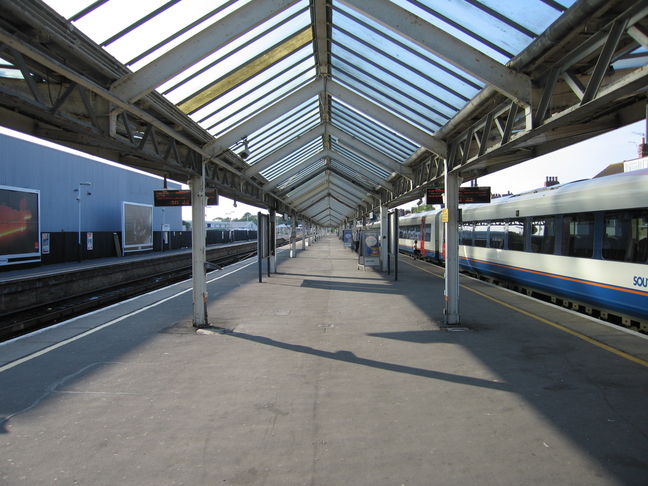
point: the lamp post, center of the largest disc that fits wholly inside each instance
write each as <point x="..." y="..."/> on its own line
<point x="78" y="191"/>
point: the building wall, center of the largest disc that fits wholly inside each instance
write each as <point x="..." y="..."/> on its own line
<point x="57" y="174"/>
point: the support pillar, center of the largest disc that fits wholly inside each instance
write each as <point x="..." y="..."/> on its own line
<point x="304" y="232"/>
<point x="384" y="246"/>
<point x="198" y="249"/>
<point x="293" y="237"/>
<point x="452" y="248"/>
<point x="272" y="227"/>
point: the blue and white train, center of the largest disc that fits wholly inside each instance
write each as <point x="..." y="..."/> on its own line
<point x="584" y="242"/>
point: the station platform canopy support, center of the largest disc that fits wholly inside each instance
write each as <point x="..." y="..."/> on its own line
<point x="199" y="249"/>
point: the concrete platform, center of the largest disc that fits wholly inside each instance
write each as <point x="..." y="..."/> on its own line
<point x="329" y="376"/>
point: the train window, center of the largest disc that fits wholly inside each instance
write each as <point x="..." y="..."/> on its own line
<point x="428" y="232"/>
<point x="578" y="235"/>
<point x="543" y="235"/>
<point x="466" y="234"/>
<point x="497" y="233"/>
<point x="480" y="234"/>
<point x="625" y="237"/>
<point x="515" y="232"/>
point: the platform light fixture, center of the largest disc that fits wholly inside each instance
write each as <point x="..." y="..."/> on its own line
<point x="78" y="198"/>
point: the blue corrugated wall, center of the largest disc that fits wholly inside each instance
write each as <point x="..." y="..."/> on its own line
<point x="57" y="174"/>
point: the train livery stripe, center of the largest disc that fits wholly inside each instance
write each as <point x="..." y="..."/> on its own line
<point x="553" y="275"/>
<point x="560" y="327"/>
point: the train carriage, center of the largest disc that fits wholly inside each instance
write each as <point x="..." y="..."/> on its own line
<point x="584" y="241"/>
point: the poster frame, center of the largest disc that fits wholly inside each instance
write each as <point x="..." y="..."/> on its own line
<point x="129" y="248"/>
<point x="27" y="256"/>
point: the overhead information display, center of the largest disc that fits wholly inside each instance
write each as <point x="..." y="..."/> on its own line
<point x="180" y="197"/>
<point x="467" y="195"/>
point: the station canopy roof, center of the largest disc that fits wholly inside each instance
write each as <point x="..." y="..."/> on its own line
<point x="324" y="101"/>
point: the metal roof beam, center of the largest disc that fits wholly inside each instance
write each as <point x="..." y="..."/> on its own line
<point x="196" y="48"/>
<point x="321" y="27"/>
<point x="388" y="119"/>
<point x="368" y="152"/>
<point x="511" y="83"/>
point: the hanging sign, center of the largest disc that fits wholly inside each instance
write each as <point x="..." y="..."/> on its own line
<point x="180" y="197"/>
<point x="467" y="195"/>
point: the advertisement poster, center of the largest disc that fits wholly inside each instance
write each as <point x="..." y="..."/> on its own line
<point x="347" y="238"/>
<point x="45" y="243"/>
<point x="90" y="241"/>
<point x="137" y="227"/>
<point x="19" y="225"/>
<point x="371" y="248"/>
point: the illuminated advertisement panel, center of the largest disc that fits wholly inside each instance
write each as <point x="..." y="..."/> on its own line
<point x="137" y="227"/>
<point x="19" y="225"/>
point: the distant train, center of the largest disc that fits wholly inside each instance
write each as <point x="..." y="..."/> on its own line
<point x="585" y="243"/>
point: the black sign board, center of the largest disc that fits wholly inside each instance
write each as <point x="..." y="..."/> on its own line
<point x="180" y="197"/>
<point x="467" y="195"/>
<point x="434" y="195"/>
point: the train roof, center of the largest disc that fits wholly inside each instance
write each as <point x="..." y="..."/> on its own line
<point x="619" y="191"/>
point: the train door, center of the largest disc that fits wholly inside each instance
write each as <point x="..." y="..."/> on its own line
<point x="440" y="239"/>
<point x="422" y="238"/>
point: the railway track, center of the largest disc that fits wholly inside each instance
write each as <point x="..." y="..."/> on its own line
<point x="135" y="282"/>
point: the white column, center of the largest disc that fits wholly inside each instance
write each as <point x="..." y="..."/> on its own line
<point x="384" y="221"/>
<point x="293" y="237"/>
<point x="304" y="231"/>
<point x="198" y="249"/>
<point x="273" y="241"/>
<point x="452" y="248"/>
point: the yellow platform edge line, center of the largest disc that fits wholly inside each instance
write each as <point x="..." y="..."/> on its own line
<point x="560" y="327"/>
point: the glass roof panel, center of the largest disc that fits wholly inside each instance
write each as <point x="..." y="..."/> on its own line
<point x="390" y="94"/>
<point x="128" y="28"/>
<point x="472" y="25"/>
<point x="274" y="134"/>
<point x="416" y="83"/>
<point x="262" y="148"/>
<point x="266" y="92"/>
<point x="345" y="169"/>
<point x="389" y="103"/>
<point x="351" y="155"/>
<point x="396" y="44"/>
<point x="534" y="15"/>
<point x="370" y="131"/>
<point x="301" y="175"/>
<point x="214" y="89"/>
<point x="286" y="163"/>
